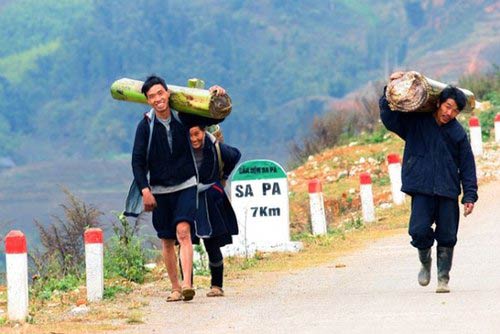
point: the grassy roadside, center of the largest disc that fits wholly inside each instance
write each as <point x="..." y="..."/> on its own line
<point x="128" y="303"/>
<point x="128" y="308"/>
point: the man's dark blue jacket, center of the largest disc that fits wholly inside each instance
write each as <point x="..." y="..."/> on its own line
<point x="436" y="158"/>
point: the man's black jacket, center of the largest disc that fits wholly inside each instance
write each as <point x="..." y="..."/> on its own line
<point x="437" y="159"/>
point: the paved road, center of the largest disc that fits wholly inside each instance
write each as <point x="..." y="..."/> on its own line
<point x="377" y="292"/>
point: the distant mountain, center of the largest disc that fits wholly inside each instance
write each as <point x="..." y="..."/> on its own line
<point x="279" y="61"/>
<point x="455" y="39"/>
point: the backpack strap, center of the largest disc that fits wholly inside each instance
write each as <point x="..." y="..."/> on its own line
<point x="219" y="158"/>
<point x="151" y="119"/>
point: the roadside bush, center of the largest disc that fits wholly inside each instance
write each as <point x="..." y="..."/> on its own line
<point x="63" y="239"/>
<point x="200" y="263"/>
<point x="125" y="260"/>
<point x="110" y="292"/>
<point x="325" y="132"/>
<point x="61" y="263"/>
<point x="487" y="121"/>
<point x="482" y="84"/>
<point x="50" y="285"/>
<point x="124" y="255"/>
<point x="342" y="125"/>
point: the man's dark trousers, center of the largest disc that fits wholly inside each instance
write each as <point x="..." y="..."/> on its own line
<point x="426" y="210"/>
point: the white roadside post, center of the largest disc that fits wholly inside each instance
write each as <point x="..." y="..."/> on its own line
<point x="17" y="275"/>
<point x="497" y="128"/>
<point x="94" y="262"/>
<point x="476" y="140"/>
<point x="316" y="203"/>
<point x="365" y="190"/>
<point x="394" y="167"/>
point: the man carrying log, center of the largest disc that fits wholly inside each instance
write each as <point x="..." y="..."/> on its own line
<point x="171" y="190"/>
<point x="437" y="161"/>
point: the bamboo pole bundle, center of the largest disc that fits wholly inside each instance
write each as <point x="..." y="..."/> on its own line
<point x="415" y="92"/>
<point x="183" y="99"/>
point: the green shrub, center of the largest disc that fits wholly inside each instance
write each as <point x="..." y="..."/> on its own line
<point x="62" y="240"/>
<point x="45" y="287"/>
<point x="494" y="97"/>
<point x="354" y="223"/>
<point x="110" y="292"/>
<point x="379" y="135"/>
<point x="125" y="259"/>
<point x="487" y="121"/>
<point x="382" y="180"/>
<point x="200" y="266"/>
<point x="482" y="84"/>
<point x="124" y="255"/>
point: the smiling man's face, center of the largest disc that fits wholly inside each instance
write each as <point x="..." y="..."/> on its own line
<point x="157" y="97"/>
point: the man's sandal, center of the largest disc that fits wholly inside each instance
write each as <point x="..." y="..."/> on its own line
<point x="188" y="294"/>
<point x="215" y="291"/>
<point x="175" y="296"/>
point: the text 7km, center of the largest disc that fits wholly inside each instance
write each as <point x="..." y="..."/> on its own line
<point x="264" y="211"/>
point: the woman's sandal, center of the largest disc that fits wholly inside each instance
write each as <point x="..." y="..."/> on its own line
<point x="215" y="291"/>
<point x="188" y="294"/>
<point x="175" y="296"/>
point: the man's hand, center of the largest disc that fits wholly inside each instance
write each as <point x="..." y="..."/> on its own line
<point x="148" y="199"/>
<point x="396" y="75"/>
<point x="468" y="207"/>
<point x="217" y="90"/>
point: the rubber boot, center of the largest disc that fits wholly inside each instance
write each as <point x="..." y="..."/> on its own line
<point x="444" y="260"/>
<point x="424" y="276"/>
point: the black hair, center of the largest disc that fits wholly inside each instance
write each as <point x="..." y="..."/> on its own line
<point x="451" y="92"/>
<point x="150" y="82"/>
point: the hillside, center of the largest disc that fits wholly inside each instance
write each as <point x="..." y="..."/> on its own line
<point x="280" y="61"/>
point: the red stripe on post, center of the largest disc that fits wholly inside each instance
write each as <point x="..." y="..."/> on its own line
<point x="393" y="158"/>
<point x="315" y="186"/>
<point x="15" y="243"/>
<point x="93" y="236"/>
<point x="497" y="118"/>
<point x="365" y="178"/>
<point x="474" y="121"/>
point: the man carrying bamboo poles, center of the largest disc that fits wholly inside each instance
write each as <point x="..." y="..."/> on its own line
<point x="437" y="162"/>
<point x="162" y="148"/>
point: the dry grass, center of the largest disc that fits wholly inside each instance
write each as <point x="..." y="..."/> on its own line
<point x="109" y="315"/>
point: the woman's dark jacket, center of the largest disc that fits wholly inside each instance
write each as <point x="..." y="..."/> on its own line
<point x="215" y="217"/>
<point x="437" y="159"/>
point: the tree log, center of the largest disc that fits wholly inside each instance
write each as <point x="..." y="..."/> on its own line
<point x="414" y="92"/>
<point x="183" y="99"/>
<point x="213" y="129"/>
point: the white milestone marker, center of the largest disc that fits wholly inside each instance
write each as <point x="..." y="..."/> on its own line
<point x="259" y="196"/>
<point x="317" y="206"/>
<point x="17" y="275"/>
<point x="94" y="264"/>
<point x="394" y="167"/>
<point x="366" y="194"/>
<point x="476" y="140"/>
